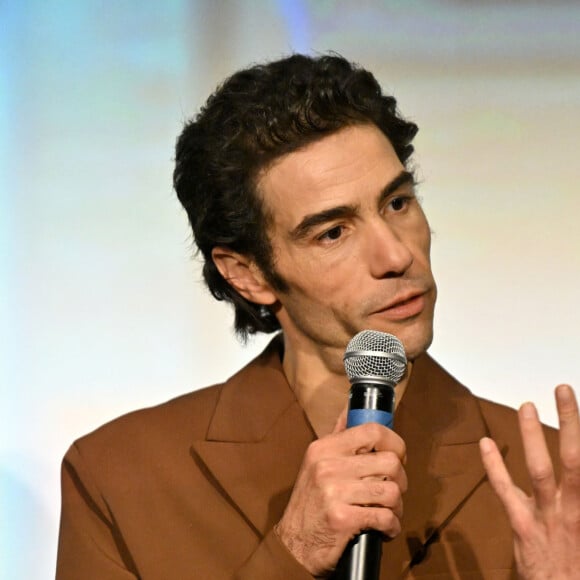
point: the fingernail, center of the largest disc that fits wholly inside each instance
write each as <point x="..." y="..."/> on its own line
<point x="565" y="393"/>
<point x="528" y="411"/>
<point x="485" y="444"/>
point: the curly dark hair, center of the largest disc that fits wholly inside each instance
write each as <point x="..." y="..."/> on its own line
<point x="254" y="117"/>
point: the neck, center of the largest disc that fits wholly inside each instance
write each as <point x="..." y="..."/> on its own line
<point x="321" y="386"/>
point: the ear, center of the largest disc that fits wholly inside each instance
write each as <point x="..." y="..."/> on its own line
<point x="242" y="274"/>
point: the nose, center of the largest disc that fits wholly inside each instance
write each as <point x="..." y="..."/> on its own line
<point x="388" y="251"/>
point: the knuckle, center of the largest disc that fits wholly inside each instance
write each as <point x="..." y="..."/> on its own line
<point x="311" y="454"/>
<point x="322" y="471"/>
<point x="570" y="458"/>
<point x="383" y="520"/>
<point x="393" y="463"/>
<point x="331" y="491"/>
<point x="375" y="430"/>
<point x="395" y="471"/>
<point x="390" y="459"/>
<point x="392" y="492"/>
<point x="338" y="518"/>
<point x="313" y="451"/>
<point x="371" y="434"/>
<point x="394" y="498"/>
<point x="382" y="493"/>
<point x="542" y="474"/>
<point x="377" y="489"/>
<point x="394" y="528"/>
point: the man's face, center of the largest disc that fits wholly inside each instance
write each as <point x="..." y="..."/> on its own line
<point x="351" y="240"/>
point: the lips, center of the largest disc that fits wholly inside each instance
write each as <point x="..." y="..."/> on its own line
<point x="404" y="307"/>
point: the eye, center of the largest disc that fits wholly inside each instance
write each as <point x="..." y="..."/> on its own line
<point x="399" y="203"/>
<point x="332" y="234"/>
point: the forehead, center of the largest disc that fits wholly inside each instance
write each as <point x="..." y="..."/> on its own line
<point x="350" y="166"/>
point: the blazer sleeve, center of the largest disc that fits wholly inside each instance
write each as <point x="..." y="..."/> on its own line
<point x="89" y="545"/>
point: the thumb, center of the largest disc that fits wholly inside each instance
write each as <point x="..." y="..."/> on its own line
<point x="340" y="424"/>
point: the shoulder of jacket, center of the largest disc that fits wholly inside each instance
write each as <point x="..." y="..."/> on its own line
<point x="183" y="418"/>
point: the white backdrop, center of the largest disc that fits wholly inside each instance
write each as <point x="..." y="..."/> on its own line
<point x="101" y="305"/>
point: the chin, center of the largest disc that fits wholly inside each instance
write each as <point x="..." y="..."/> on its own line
<point x="415" y="348"/>
<point x="416" y="336"/>
<point x="415" y="340"/>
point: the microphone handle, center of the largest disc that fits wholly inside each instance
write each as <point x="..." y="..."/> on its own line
<point x="369" y="402"/>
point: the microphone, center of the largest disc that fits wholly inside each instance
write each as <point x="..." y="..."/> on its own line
<point x="375" y="362"/>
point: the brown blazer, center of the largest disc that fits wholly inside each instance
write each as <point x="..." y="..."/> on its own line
<point x="192" y="488"/>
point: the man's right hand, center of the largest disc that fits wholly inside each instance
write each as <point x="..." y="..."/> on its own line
<point x="342" y="489"/>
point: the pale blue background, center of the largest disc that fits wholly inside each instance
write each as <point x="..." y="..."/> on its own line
<point x="101" y="308"/>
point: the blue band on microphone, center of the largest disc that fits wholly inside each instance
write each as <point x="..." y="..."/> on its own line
<point x="360" y="416"/>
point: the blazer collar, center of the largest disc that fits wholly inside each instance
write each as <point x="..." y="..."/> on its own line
<point x="253" y="400"/>
<point x="256" y="440"/>
<point x="258" y="435"/>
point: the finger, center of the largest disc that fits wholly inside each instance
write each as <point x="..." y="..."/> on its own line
<point x="353" y="519"/>
<point x="372" y="437"/>
<point x="537" y="457"/>
<point x="341" y="420"/>
<point x="354" y="441"/>
<point x="373" y="518"/>
<point x="500" y="480"/>
<point x="382" y="466"/>
<point x="569" y="448"/>
<point x="337" y="473"/>
<point x="385" y="494"/>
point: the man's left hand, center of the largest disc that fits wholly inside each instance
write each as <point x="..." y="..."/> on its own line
<point x="546" y="525"/>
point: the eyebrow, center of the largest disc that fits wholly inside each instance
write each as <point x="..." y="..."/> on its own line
<point x="342" y="211"/>
<point x="404" y="178"/>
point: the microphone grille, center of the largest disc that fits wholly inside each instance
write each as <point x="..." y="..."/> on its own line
<point x="374" y="354"/>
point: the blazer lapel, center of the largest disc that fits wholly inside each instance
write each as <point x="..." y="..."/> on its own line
<point x="253" y="462"/>
<point x="256" y="440"/>
<point x="441" y="422"/>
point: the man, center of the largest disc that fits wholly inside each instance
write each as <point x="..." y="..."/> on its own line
<point x="296" y="181"/>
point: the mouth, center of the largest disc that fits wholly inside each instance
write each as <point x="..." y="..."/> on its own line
<point x="404" y="307"/>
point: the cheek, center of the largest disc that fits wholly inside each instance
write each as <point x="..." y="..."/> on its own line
<point x="423" y="239"/>
<point x="329" y="283"/>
